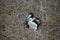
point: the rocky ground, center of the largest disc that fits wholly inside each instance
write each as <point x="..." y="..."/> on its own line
<point x="13" y="15"/>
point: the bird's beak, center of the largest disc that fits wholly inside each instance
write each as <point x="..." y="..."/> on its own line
<point x="28" y="16"/>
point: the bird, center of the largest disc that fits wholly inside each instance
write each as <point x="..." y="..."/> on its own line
<point x="30" y="15"/>
<point x="32" y="22"/>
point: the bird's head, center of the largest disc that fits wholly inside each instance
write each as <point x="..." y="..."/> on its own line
<point x="30" y="15"/>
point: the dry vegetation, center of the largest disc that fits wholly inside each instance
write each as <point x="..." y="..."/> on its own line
<point x="13" y="14"/>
